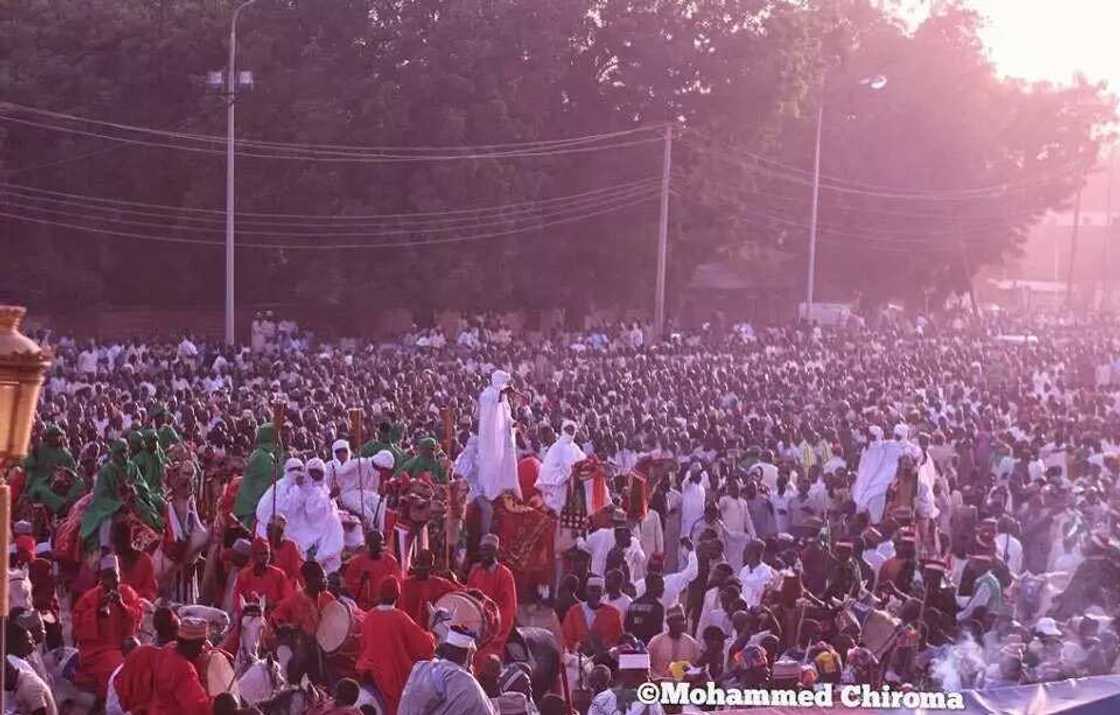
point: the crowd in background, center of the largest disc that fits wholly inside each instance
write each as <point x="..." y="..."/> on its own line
<point x="928" y="505"/>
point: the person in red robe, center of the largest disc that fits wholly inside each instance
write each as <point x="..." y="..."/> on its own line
<point x="391" y="643"/>
<point x="495" y="580"/>
<point x="422" y="588"/>
<point x="286" y="555"/>
<point x="164" y="680"/>
<point x="261" y="580"/>
<point x="363" y="573"/>
<point x="527" y="470"/>
<point x="137" y="569"/>
<point x="304" y="607"/>
<point x="592" y="626"/>
<point x="102" y="618"/>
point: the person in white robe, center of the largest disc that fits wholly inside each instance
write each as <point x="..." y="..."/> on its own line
<point x="313" y="520"/>
<point x="693" y="499"/>
<point x="602" y="541"/>
<point x="358" y="480"/>
<point x="878" y="467"/>
<point x="322" y="512"/>
<point x="556" y="468"/>
<point x="497" y="448"/>
<point x="676" y="582"/>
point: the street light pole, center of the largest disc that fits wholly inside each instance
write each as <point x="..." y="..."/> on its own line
<point x="813" y="218"/>
<point x="874" y="83"/>
<point x="663" y="236"/>
<point x="231" y="96"/>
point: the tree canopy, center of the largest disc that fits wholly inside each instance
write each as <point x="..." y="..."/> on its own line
<point x="926" y="180"/>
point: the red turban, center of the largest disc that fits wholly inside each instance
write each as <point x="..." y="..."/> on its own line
<point x="390" y="588"/>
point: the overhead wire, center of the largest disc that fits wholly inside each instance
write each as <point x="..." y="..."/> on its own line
<point x="260" y="217"/>
<point x="213" y="145"/>
<point x="539" y="226"/>
<point x="535" y="215"/>
<point x="803" y="177"/>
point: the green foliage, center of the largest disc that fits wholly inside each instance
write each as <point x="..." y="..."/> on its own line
<point x="735" y="77"/>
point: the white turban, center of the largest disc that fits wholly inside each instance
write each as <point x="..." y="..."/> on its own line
<point x="384" y="459"/>
<point x="340" y="444"/>
<point x="876" y="431"/>
<point x="293" y="465"/>
<point x="901" y="431"/>
<point x="316" y="464"/>
<point x="499" y="379"/>
<point x="566" y="424"/>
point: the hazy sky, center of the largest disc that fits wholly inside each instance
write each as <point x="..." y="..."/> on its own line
<point x="1052" y="39"/>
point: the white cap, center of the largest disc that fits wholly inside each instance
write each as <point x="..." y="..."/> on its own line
<point x="1047" y="627"/>
<point x="633" y="661"/>
<point x="293" y="465"/>
<point x="459" y="639"/>
<point x="109" y="563"/>
<point x="384" y="459"/>
<point x="596" y="581"/>
<point x="317" y="465"/>
<point x="901" y="431"/>
<point x="340" y="444"/>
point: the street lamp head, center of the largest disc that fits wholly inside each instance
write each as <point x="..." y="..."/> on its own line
<point x="22" y="367"/>
<point x="877" y="82"/>
<point x="214" y="80"/>
<point x="245" y="79"/>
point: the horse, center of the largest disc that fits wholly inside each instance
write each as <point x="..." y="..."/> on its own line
<point x="258" y="678"/>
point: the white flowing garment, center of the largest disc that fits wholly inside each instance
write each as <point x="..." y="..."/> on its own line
<point x="497" y="450"/>
<point x="556" y="470"/>
<point x="313" y="519"/>
<point x="358" y="482"/>
<point x="877" y="469"/>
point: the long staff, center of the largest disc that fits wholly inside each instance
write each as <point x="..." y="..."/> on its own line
<point x="279" y="409"/>
<point x="356" y="417"/>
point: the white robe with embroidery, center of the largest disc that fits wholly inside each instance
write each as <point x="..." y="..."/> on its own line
<point x="497" y="450"/>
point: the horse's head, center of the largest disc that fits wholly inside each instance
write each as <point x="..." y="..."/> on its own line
<point x="252" y="626"/>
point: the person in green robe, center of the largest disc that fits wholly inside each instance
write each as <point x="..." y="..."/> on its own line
<point x="117" y="480"/>
<point x="388" y="439"/>
<point x="259" y="473"/>
<point x="168" y="437"/>
<point x="40" y="466"/>
<point x="425" y="461"/>
<point x="135" y="443"/>
<point x="151" y="462"/>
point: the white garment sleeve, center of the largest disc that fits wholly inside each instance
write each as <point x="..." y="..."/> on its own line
<point x="677" y="582"/>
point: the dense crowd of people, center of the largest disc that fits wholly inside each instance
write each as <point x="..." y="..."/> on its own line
<point x="484" y="523"/>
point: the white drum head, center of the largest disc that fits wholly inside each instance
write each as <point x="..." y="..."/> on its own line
<point x="334" y="627"/>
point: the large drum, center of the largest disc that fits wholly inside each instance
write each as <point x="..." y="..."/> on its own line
<point x="218" y="673"/>
<point x="472" y="611"/>
<point x="339" y="635"/>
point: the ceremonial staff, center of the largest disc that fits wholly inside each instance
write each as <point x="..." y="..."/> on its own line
<point x="356" y="418"/>
<point x="279" y="409"/>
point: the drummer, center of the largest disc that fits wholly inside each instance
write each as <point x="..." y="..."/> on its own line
<point x="171" y="684"/>
<point x="495" y="580"/>
<point x="304" y="607"/>
<point x="363" y="573"/>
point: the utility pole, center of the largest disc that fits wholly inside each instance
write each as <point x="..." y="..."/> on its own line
<point x="231" y="98"/>
<point x="813" y="217"/>
<point x="1106" y="272"/>
<point x="1073" y="249"/>
<point x="663" y="236"/>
